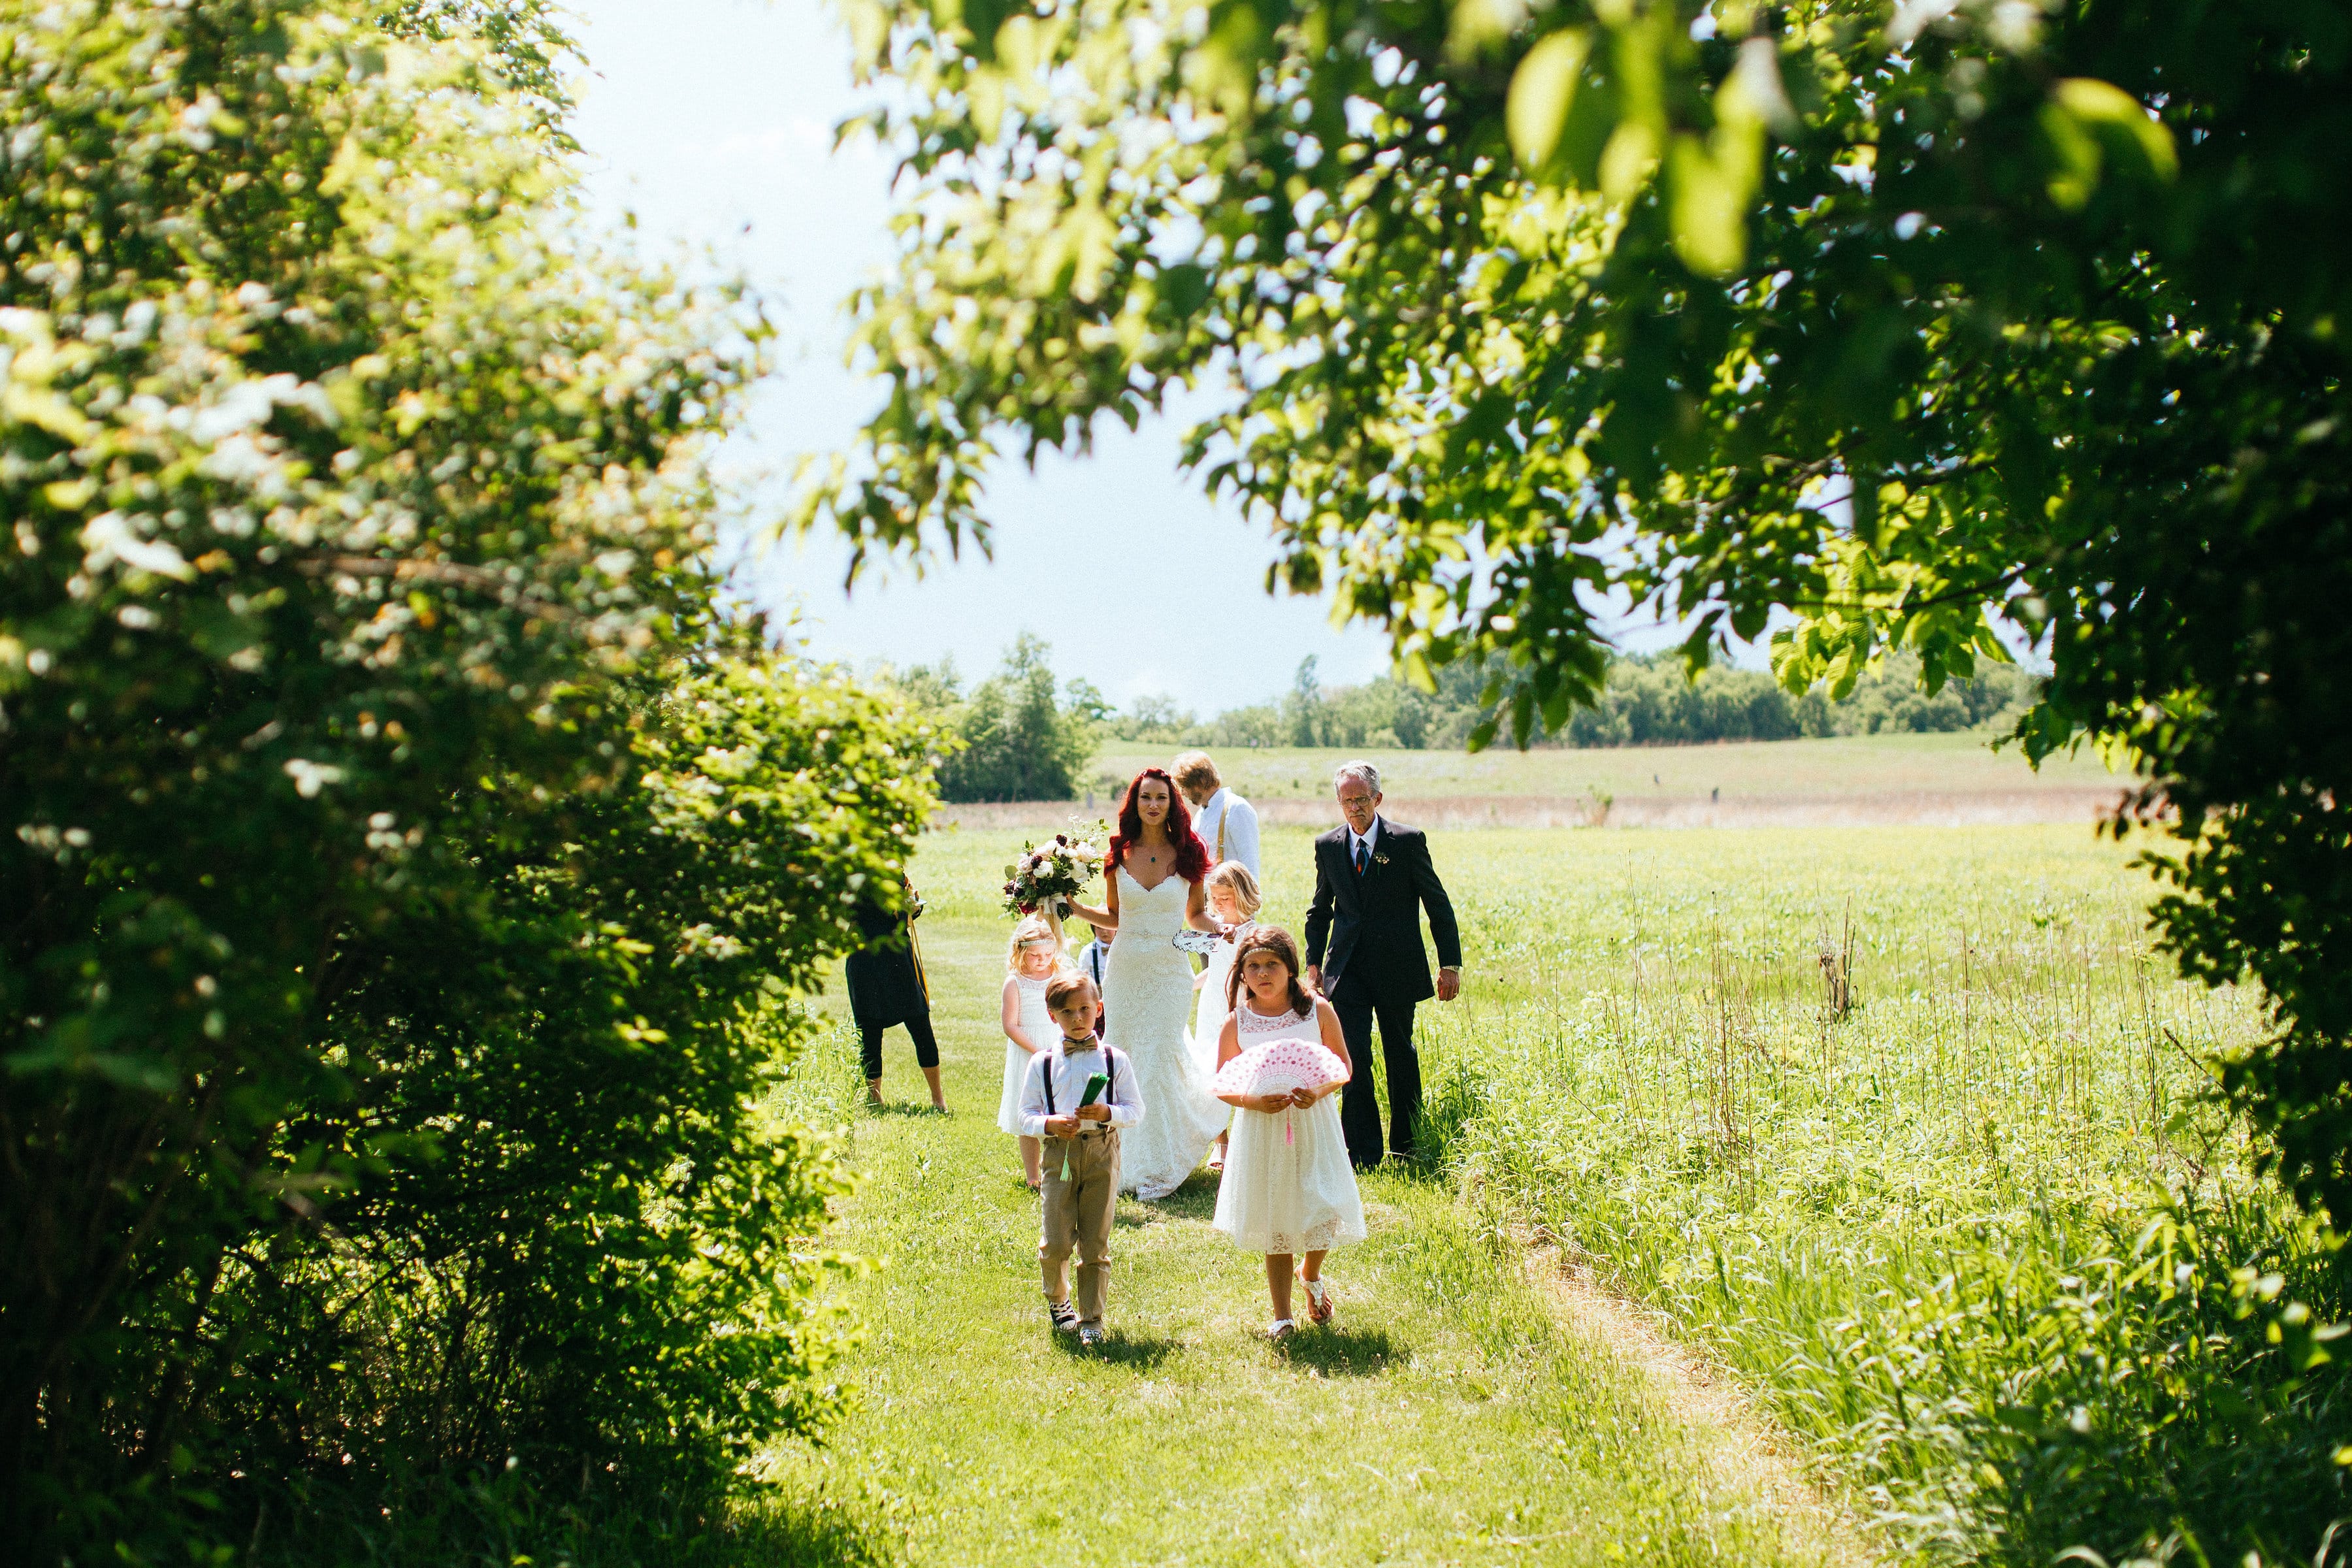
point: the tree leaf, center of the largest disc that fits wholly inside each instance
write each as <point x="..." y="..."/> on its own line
<point x="2087" y="123"/>
<point x="1705" y="201"/>
<point x="1477" y="28"/>
<point x="1184" y="286"/>
<point x="1543" y="91"/>
<point x="2100" y="104"/>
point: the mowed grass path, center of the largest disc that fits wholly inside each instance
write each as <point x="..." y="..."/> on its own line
<point x="1444" y="1417"/>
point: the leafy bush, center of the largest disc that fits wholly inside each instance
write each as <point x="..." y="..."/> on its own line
<point x="403" y="871"/>
<point x="595" y="1253"/>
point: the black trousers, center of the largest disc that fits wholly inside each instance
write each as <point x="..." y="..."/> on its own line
<point x="927" y="1045"/>
<point x="1360" y="1108"/>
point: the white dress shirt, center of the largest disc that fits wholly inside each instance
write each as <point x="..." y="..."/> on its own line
<point x="1071" y="1068"/>
<point x="1237" y="818"/>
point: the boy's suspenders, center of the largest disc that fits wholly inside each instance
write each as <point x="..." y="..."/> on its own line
<point x="1110" y="1075"/>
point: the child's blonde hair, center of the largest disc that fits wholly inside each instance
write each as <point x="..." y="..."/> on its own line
<point x="1033" y="928"/>
<point x="1235" y="879"/>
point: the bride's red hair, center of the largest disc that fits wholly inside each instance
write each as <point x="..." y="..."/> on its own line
<point x="1191" y="855"/>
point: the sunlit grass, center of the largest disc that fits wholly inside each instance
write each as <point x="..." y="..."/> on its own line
<point x="1448" y="1418"/>
<point x="1986" y="1240"/>
<point x="1912" y="1231"/>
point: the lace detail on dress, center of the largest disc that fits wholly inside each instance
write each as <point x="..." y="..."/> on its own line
<point x="1248" y="1020"/>
<point x="1321" y="1237"/>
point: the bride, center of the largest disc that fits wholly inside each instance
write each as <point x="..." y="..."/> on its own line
<point x="1153" y="875"/>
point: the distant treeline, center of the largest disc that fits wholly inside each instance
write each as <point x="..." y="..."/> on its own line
<point x="1029" y="737"/>
<point x="1648" y="702"/>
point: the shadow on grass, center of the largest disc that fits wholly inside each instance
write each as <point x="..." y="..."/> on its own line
<point x="917" y="1108"/>
<point x="522" y="1516"/>
<point x="1416" y="1169"/>
<point x="805" y="1531"/>
<point x="1119" y="1348"/>
<point x="1196" y="1199"/>
<point x="1343" y="1353"/>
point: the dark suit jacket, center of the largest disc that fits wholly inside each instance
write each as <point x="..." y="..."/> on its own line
<point x="1371" y="925"/>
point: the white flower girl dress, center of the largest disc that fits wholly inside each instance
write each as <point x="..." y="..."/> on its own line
<point x="1287" y="1185"/>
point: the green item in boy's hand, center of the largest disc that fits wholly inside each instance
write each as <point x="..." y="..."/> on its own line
<point x="1095" y="1086"/>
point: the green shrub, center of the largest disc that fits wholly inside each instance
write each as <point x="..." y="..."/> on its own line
<point x="405" y="874"/>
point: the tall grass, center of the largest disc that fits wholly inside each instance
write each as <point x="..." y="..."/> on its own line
<point x="1981" y="1236"/>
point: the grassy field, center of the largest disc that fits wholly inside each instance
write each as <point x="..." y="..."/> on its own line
<point x="1846" y="766"/>
<point x="1981" y="1243"/>
<point x="1984" y="1240"/>
<point x="1446" y="1416"/>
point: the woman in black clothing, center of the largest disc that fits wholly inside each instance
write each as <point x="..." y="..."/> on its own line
<point x="887" y="987"/>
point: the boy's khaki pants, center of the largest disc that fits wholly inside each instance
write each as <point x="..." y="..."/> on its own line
<point x="1077" y="1217"/>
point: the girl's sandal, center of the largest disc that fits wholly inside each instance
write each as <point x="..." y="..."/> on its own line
<point x="1319" y="1308"/>
<point x="1281" y="1329"/>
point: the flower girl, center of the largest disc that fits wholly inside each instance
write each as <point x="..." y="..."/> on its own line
<point x="1287" y="1187"/>
<point x="1232" y="904"/>
<point x="1028" y="1027"/>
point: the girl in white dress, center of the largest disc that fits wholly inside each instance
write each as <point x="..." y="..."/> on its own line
<point x="1028" y="1027"/>
<point x="1234" y="902"/>
<point x="1155" y="869"/>
<point x="1288" y="1188"/>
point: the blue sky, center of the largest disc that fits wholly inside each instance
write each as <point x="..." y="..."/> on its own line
<point x="711" y="121"/>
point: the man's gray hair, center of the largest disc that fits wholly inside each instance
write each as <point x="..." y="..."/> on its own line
<point x="1362" y="771"/>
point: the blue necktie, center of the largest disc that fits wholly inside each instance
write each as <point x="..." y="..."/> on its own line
<point x="1364" y="855"/>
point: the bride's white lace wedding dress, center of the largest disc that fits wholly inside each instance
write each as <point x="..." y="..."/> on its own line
<point x="1148" y="995"/>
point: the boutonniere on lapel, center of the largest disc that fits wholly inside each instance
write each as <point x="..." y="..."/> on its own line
<point x="1380" y="858"/>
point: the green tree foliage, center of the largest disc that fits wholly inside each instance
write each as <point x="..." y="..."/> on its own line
<point x="524" y="42"/>
<point x="1521" y="303"/>
<point x="403" y="872"/>
<point x="1011" y="737"/>
<point x="595" y="1255"/>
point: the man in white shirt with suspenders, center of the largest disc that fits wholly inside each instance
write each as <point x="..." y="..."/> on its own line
<point x="1226" y="823"/>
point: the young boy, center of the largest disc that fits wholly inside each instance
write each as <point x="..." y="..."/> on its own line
<point x="1081" y="1153"/>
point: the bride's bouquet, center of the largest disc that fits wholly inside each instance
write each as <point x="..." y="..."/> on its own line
<point x="1049" y="876"/>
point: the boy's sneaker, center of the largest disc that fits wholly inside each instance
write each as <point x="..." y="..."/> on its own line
<point x="1090" y="1335"/>
<point x="1318" y="1303"/>
<point x="1065" y="1316"/>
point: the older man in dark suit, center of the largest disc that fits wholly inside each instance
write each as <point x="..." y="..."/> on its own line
<point x="1373" y="881"/>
